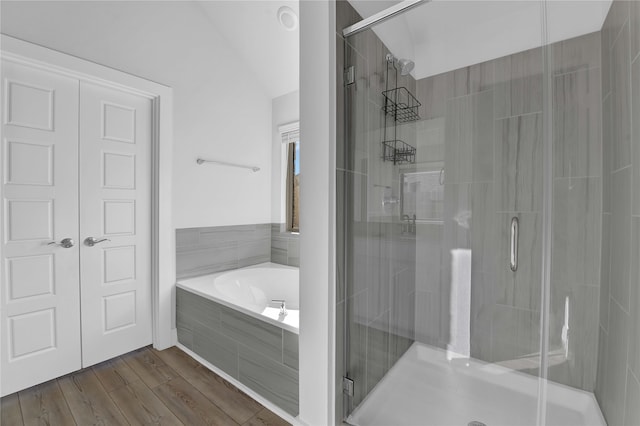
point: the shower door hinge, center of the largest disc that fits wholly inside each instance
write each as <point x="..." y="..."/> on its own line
<point x="347" y="386"/>
<point x="349" y="75"/>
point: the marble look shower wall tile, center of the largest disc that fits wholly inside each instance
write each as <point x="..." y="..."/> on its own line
<point x="515" y="334"/>
<point x="208" y="250"/>
<point x="377" y="350"/>
<point x="518" y="80"/>
<point x="469" y="80"/>
<point x="604" y="270"/>
<point x="576" y="231"/>
<point x="357" y="356"/>
<point x="519" y="289"/>
<point x="519" y="163"/>
<point x="355" y="152"/>
<point x="469" y="136"/>
<point x="601" y="373"/>
<point x="613" y="399"/>
<point x="621" y="237"/>
<point x="607" y="153"/>
<point x="377" y="57"/>
<point x="635" y="30"/>
<point x="577" y="124"/>
<point x="632" y="408"/>
<point x="577" y="53"/>
<point x="621" y="100"/>
<point x="605" y="51"/>
<point x="483" y="229"/>
<point x="379" y="273"/>
<point x="578" y="303"/>
<point x="616" y="18"/>
<point x="431" y="92"/>
<point x="635" y="142"/>
<point x="634" y="326"/>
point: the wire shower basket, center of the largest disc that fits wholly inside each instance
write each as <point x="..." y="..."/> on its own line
<point x="398" y="151"/>
<point x="401" y="104"/>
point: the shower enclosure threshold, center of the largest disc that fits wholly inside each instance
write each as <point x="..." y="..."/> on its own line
<point x="426" y="388"/>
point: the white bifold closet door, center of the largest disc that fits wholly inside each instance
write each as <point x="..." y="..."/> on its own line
<point x="76" y="166"/>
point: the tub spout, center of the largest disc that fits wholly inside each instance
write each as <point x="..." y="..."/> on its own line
<point x="283" y="306"/>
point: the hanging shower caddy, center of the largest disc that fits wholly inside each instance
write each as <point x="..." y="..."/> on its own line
<point x="402" y="106"/>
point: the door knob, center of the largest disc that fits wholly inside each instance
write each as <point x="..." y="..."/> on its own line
<point x="65" y="243"/>
<point x="92" y="241"/>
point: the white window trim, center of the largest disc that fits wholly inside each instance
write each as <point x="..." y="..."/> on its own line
<point x="283" y="130"/>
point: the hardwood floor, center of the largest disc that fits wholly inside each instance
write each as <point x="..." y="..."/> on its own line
<point x="144" y="387"/>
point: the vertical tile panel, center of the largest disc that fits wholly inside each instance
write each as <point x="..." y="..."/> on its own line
<point x="635" y="30"/>
<point x="377" y="350"/>
<point x="613" y="394"/>
<point x="431" y="92"/>
<point x="621" y="237"/>
<point x="635" y="143"/>
<point x="605" y="270"/>
<point x="577" y="53"/>
<point x="632" y="410"/>
<point x="577" y="124"/>
<point x="576" y="236"/>
<point x="519" y="163"/>
<point x="621" y="105"/>
<point x="634" y="326"/>
<point x="518" y="81"/>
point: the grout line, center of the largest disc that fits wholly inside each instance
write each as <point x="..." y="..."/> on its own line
<point x="620" y="169"/>
<point x="617" y="36"/>
<point x="576" y="71"/>
<point x="517" y="115"/>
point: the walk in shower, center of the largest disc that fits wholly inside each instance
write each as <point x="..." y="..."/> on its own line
<point x="488" y="216"/>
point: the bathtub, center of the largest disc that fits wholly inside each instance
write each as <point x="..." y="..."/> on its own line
<point x="227" y="319"/>
<point x="250" y="290"/>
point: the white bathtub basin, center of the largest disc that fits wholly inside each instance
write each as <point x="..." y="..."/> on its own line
<point x="250" y="290"/>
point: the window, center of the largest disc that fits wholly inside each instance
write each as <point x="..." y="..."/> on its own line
<point x="293" y="187"/>
<point x="291" y="145"/>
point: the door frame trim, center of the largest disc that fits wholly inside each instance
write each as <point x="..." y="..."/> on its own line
<point x="163" y="270"/>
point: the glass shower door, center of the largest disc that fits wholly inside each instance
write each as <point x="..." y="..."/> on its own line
<point x="441" y="260"/>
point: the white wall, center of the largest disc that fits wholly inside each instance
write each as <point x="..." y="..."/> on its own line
<point x="220" y="110"/>
<point x="317" y="211"/>
<point x="285" y="109"/>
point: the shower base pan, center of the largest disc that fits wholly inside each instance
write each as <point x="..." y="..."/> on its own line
<point x="426" y="388"/>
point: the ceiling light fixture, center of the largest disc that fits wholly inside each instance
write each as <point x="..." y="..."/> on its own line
<point x="288" y="18"/>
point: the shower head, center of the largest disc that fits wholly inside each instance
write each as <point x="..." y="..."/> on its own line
<point x="405" y="66"/>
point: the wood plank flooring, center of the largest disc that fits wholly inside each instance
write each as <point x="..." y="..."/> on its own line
<point x="144" y="387"/>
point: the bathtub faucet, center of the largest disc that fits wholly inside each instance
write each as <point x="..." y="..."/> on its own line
<point x="283" y="306"/>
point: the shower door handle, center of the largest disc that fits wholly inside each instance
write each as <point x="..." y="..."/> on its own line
<point x="514" y="245"/>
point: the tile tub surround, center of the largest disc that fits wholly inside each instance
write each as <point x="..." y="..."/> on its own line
<point x="201" y="251"/>
<point x="618" y="378"/>
<point x="259" y="355"/>
<point x="285" y="248"/>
